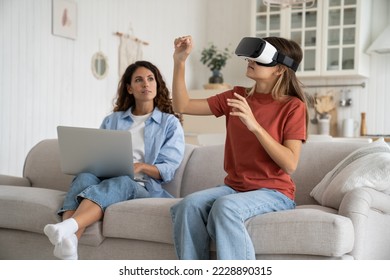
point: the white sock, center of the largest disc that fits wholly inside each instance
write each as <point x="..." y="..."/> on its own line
<point x="67" y="248"/>
<point x="57" y="232"/>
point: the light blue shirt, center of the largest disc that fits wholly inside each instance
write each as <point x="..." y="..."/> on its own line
<point x="164" y="144"/>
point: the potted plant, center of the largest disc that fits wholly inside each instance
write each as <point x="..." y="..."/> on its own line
<point x="215" y="59"/>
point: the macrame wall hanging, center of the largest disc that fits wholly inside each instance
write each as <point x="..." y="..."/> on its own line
<point x="130" y="49"/>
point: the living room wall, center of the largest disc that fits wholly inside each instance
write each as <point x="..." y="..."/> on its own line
<point x="46" y="80"/>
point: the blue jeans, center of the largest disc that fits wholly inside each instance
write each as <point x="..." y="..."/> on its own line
<point x="103" y="192"/>
<point x="220" y="213"/>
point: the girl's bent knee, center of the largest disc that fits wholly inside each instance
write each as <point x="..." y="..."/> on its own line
<point x="223" y="207"/>
<point x="222" y="204"/>
<point x="188" y="204"/>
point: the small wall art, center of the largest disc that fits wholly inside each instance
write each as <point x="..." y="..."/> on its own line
<point x="64" y="19"/>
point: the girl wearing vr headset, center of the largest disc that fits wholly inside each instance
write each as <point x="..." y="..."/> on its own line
<point x="265" y="126"/>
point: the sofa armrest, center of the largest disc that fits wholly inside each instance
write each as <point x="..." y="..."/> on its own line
<point x="369" y="211"/>
<point x="360" y="200"/>
<point x="14" y="181"/>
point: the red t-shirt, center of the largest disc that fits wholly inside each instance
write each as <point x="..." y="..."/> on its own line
<point x="248" y="165"/>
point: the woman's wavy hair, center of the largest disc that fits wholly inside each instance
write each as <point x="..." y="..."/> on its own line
<point x="288" y="84"/>
<point x="123" y="100"/>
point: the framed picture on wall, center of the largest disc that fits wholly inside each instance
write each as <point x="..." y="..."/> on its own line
<point x="64" y="18"/>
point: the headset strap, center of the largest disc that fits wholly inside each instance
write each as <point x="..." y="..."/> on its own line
<point x="286" y="60"/>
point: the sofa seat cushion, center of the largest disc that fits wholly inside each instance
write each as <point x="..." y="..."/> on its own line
<point x="146" y="219"/>
<point x="308" y="230"/>
<point x="30" y="209"/>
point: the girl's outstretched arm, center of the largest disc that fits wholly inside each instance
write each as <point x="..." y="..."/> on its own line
<point x="181" y="101"/>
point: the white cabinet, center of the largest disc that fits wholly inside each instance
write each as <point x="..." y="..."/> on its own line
<point x="346" y="35"/>
<point x="333" y="34"/>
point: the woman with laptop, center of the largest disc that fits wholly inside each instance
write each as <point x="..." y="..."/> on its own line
<point x="143" y="106"/>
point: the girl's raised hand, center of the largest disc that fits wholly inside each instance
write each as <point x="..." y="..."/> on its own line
<point x="183" y="47"/>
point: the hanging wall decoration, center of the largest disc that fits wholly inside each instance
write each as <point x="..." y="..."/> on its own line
<point x="64" y="18"/>
<point x="99" y="64"/>
<point x="130" y="50"/>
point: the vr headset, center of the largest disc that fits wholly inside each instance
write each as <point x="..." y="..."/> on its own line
<point x="263" y="53"/>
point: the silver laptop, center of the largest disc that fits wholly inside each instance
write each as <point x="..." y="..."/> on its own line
<point x="105" y="153"/>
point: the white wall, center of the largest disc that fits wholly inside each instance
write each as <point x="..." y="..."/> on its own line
<point x="377" y="99"/>
<point x="228" y="22"/>
<point x="46" y="80"/>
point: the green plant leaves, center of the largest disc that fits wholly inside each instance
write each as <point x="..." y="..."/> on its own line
<point x="214" y="58"/>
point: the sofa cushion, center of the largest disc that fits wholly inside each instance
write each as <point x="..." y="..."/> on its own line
<point x="368" y="166"/>
<point x="317" y="159"/>
<point x="308" y="230"/>
<point x="145" y="219"/>
<point x="174" y="186"/>
<point x="30" y="209"/>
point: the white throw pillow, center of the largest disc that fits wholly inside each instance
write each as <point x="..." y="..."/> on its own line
<point x="368" y="166"/>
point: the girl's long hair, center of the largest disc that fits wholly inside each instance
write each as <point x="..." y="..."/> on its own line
<point x="288" y="83"/>
<point x="123" y="100"/>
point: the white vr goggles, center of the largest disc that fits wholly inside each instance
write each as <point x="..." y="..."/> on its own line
<point x="263" y="53"/>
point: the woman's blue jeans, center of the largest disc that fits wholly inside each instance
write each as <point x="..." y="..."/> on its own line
<point x="220" y="213"/>
<point x="103" y="192"/>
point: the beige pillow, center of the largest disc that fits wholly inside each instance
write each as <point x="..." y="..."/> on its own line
<point x="368" y="166"/>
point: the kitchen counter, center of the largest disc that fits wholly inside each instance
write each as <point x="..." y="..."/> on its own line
<point x="367" y="138"/>
<point x="323" y="138"/>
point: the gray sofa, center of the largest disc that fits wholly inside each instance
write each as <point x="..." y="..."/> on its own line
<point x="141" y="229"/>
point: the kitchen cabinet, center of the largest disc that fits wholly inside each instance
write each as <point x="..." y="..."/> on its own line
<point x="333" y="34"/>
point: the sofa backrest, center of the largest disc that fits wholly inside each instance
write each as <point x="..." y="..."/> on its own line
<point x="42" y="167"/>
<point x="202" y="167"/>
<point x="205" y="167"/>
<point x="174" y="186"/>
